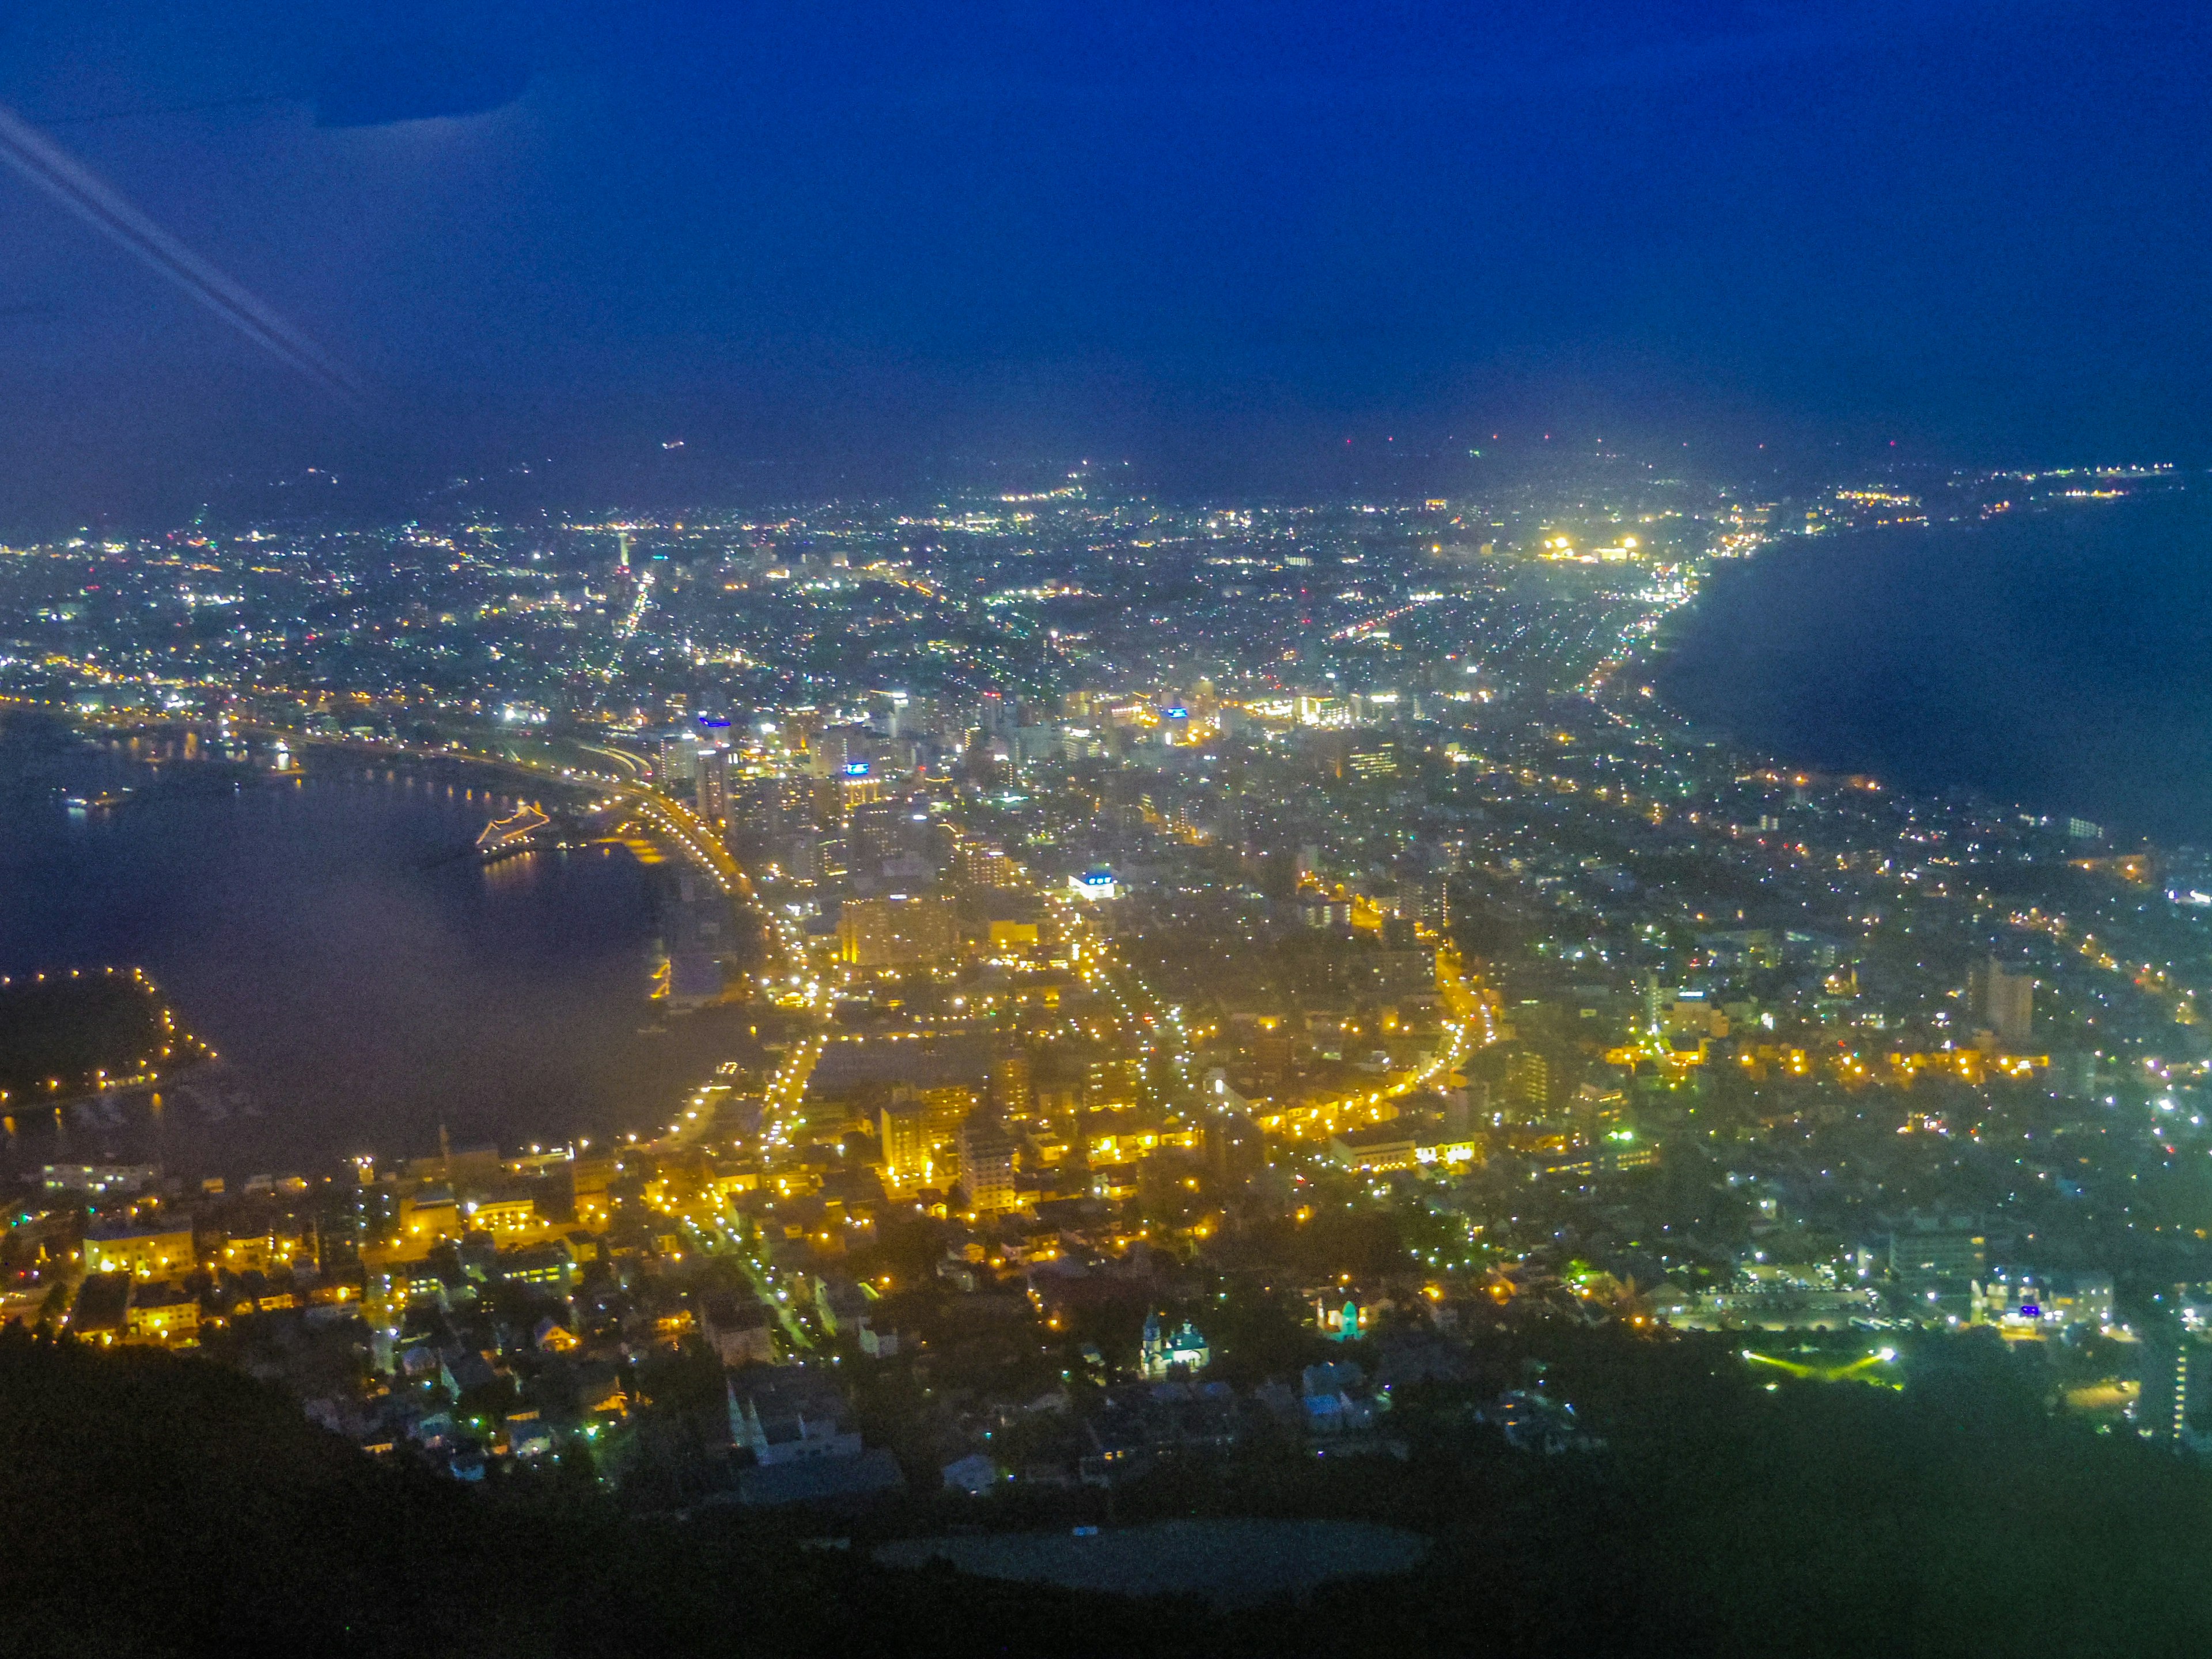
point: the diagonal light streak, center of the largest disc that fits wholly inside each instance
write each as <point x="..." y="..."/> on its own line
<point x="62" y="177"/>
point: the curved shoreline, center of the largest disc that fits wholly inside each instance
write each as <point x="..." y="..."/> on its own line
<point x="2020" y="748"/>
<point x="358" y="998"/>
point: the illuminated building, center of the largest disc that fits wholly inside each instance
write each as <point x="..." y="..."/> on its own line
<point x="1093" y="886"/>
<point x="587" y="1181"/>
<point x="1273" y="1051"/>
<point x="1161" y="1353"/>
<point x="2023" y="1301"/>
<point x="1598" y="1111"/>
<point x="738" y="1328"/>
<point x="255" y="1253"/>
<point x="1326" y="913"/>
<point x="1013" y="938"/>
<point x="1529" y="1083"/>
<point x="773" y="809"/>
<point x="677" y="759"/>
<point x="978" y="864"/>
<point x="99" y="1180"/>
<point x="1384" y="1147"/>
<point x="948" y="1108"/>
<point x="831" y="753"/>
<point x="1453" y="1151"/>
<point x="1930" y="1246"/>
<point x="712" y="782"/>
<point x="907" y="1143"/>
<point x="820" y="857"/>
<point x="143" y="1251"/>
<point x="544" y="1264"/>
<point x="859" y="787"/>
<point x="1106" y="1082"/>
<point x="898" y="932"/>
<point x="986" y="1165"/>
<point x="504" y="1215"/>
<point x="1343" y="1317"/>
<point x="429" y="1214"/>
<point x="163" y="1313"/>
<point x="1010" y="1082"/>
<point x="2176" y="1392"/>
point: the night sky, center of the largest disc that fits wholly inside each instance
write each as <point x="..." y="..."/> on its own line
<point x="478" y="235"/>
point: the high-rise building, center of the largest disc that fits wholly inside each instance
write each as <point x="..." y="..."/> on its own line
<point x="772" y="810"/>
<point x="861" y="788"/>
<point x="906" y="1144"/>
<point x="1598" y="1110"/>
<point x="2176" y="1402"/>
<point x="1010" y="1083"/>
<point x="829" y="754"/>
<point x="946" y="1107"/>
<point x="2001" y="1003"/>
<point x="2074" y="1073"/>
<point x="821" y="859"/>
<point x="978" y="864"/>
<point x="901" y="930"/>
<point x="678" y="759"/>
<point x="1235" y="1150"/>
<point x="1109" y="1080"/>
<point x="1435" y="901"/>
<point x="1528" y="1083"/>
<point x="895" y="834"/>
<point x="987" y="1164"/>
<point x="712" y="783"/>
<point x="1939" y="1248"/>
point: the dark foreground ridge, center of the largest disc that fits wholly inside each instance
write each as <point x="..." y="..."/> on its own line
<point x="159" y="1504"/>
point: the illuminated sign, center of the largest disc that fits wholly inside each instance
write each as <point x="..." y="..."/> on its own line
<point x="856" y="768"/>
<point x="1458" y="1151"/>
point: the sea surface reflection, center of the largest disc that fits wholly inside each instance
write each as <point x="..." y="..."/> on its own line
<point x="362" y="984"/>
<point x="2056" y="659"/>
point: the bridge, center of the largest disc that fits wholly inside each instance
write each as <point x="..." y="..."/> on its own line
<point x="514" y="834"/>
<point x="676" y="821"/>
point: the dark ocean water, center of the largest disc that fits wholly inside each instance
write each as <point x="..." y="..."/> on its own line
<point x="2062" y="659"/>
<point x="360" y="994"/>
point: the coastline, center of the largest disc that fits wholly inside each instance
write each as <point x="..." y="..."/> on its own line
<point x="1786" y="659"/>
<point x="375" y="999"/>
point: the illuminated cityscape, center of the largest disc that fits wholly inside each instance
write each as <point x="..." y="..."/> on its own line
<point x="1103" y="831"/>
<point x="1280" y="917"/>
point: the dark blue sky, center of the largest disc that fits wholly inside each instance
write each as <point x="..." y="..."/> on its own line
<point x="1201" y="231"/>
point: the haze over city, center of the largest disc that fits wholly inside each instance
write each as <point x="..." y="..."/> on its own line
<point x="1214" y="242"/>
